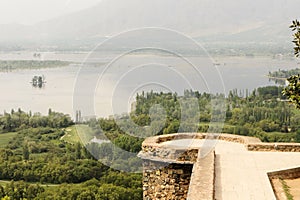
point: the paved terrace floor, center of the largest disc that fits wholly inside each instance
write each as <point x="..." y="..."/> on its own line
<point x="242" y="174"/>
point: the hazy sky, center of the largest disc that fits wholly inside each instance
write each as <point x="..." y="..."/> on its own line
<point x="32" y="11"/>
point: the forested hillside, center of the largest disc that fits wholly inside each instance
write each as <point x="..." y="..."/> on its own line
<point x="44" y="166"/>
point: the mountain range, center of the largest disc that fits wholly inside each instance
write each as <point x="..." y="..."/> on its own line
<point x="210" y="20"/>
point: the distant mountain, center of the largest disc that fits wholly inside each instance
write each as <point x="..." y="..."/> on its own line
<point x="249" y="20"/>
<point x="266" y="33"/>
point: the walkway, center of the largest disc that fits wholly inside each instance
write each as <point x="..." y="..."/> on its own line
<point x="242" y="174"/>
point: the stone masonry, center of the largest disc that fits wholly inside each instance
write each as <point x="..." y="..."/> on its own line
<point x="179" y="172"/>
<point x="166" y="182"/>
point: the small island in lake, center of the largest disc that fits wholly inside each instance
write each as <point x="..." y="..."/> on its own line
<point x="280" y="76"/>
<point x="12" y="65"/>
<point x="38" y="81"/>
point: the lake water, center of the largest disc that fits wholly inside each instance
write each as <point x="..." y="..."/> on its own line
<point x="103" y="90"/>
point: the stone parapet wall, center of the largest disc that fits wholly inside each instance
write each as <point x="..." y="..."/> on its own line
<point x="285" y="174"/>
<point x="170" y="155"/>
<point x="154" y="142"/>
<point x="154" y="148"/>
<point x="276" y="176"/>
<point x="238" y="139"/>
<point x="179" y="136"/>
<point x="276" y="147"/>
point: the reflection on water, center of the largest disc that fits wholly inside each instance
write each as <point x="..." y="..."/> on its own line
<point x="279" y="81"/>
<point x="16" y="90"/>
<point x="99" y="141"/>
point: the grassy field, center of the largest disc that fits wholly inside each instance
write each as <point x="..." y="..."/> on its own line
<point x="73" y="134"/>
<point x="3" y="183"/>
<point x="5" y="138"/>
<point x="78" y="133"/>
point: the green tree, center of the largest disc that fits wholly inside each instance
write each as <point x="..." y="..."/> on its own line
<point x="298" y="136"/>
<point x="78" y="150"/>
<point x="292" y="91"/>
<point x="26" y="151"/>
<point x="2" y="192"/>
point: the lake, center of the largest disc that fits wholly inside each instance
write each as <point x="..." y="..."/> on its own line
<point x="102" y="89"/>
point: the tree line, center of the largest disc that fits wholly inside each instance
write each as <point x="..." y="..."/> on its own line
<point x="263" y="113"/>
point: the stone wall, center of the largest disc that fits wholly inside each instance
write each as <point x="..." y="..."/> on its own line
<point x="170" y="155"/>
<point x="278" y="147"/>
<point x="285" y="174"/>
<point x="154" y="142"/>
<point x="163" y="181"/>
<point x="276" y="176"/>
